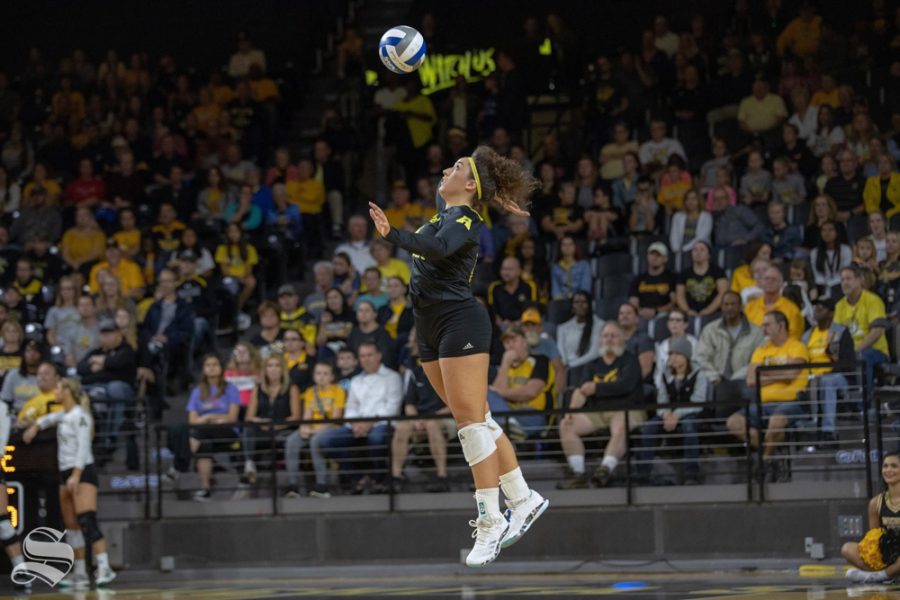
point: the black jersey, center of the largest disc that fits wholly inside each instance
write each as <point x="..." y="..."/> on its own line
<point x="444" y="251"/>
<point x="889" y="518"/>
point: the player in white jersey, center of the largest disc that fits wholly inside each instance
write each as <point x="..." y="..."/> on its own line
<point x="78" y="479"/>
<point x="8" y="536"/>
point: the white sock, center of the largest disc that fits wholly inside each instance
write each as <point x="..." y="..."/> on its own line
<point x="17" y="560"/>
<point x="103" y="560"/>
<point x="488" y="502"/>
<point x="610" y="462"/>
<point x="576" y="462"/>
<point x="514" y="487"/>
<point x="79" y="567"/>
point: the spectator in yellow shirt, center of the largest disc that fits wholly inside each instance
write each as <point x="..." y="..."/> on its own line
<point x="236" y="259"/>
<point x="828" y="94"/>
<point x="673" y="185"/>
<point x="83" y="244"/>
<point x="129" y="236"/>
<point x="388" y="266"/>
<point x="803" y="35"/>
<point x="771" y="300"/>
<point x="401" y="208"/>
<point x="262" y="88"/>
<point x="308" y="193"/>
<point x="324" y="400"/>
<point x="124" y="269"/>
<point x="207" y="111"/>
<point x="778" y="391"/>
<point x="862" y="312"/>
<point x="419" y="113"/>
<point x="882" y="191"/>
<point x="40" y="178"/>
<point x="761" y="111"/>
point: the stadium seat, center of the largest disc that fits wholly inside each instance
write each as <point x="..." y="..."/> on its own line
<point x="608" y="308"/>
<point x="559" y="311"/>
<point x="857" y="227"/>
<point x="615" y="285"/>
<point x="658" y="328"/>
<point x="731" y="258"/>
<point x="798" y="214"/>
<point x="611" y="264"/>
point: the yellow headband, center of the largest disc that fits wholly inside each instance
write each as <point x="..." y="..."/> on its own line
<point x="475" y="175"/>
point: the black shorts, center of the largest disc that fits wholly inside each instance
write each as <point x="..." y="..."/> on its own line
<point x="88" y="475"/>
<point x="452" y="328"/>
<point x="215" y="439"/>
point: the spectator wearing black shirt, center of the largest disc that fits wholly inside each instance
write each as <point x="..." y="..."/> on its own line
<point x="247" y="117"/>
<point x="168" y="327"/>
<point x="125" y="185"/>
<point x="690" y="103"/>
<point x="367" y="330"/>
<point x="298" y="360"/>
<point x="702" y="285"/>
<point x="730" y="88"/>
<point x="268" y="340"/>
<point x="606" y="99"/>
<point x="198" y="292"/>
<point x="29" y="287"/>
<point x="36" y="217"/>
<point x="796" y="151"/>
<point x="179" y="193"/>
<point x="509" y="296"/>
<point x="653" y="292"/>
<point x="166" y="233"/>
<point x="8" y="257"/>
<point x="511" y="106"/>
<point x="165" y="159"/>
<point x="617" y="379"/>
<point x="564" y="216"/>
<point x="847" y="186"/>
<point x="108" y="374"/>
<point x="331" y="173"/>
<point x="47" y="267"/>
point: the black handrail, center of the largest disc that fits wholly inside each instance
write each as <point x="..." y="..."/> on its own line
<point x="504" y="416"/>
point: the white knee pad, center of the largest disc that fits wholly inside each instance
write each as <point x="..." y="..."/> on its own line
<point x="494" y="426"/>
<point x="75" y="538"/>
<point x="7" y="532"/>
<point x="477" y="442"/>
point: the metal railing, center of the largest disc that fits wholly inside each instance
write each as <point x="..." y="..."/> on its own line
<point x="718" y="456"/>
<point x="722" y="456"/>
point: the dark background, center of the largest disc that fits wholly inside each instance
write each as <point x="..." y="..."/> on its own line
<point x="201" y="33"/>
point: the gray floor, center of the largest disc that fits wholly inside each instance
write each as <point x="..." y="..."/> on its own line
<point x="770" y="580"/>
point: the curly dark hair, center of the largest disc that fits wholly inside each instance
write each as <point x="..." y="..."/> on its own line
<point x="503" y="181"/>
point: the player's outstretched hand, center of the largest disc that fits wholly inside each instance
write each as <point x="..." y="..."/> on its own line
<point x="379" y="218"/>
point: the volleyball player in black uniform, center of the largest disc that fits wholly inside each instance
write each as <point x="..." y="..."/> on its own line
<point x="454" y="336"/>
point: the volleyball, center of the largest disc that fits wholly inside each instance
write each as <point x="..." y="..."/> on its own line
<point x="402" y="49"/>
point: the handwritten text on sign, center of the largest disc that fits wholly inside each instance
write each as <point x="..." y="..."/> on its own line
<point x="439" y="71"/>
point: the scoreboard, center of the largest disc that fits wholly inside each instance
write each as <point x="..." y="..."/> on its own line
<point x="32" y="481"/>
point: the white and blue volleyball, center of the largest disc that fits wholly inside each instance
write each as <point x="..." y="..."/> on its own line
<point x="402" y="49"/>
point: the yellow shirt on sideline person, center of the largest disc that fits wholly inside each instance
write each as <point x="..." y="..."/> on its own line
<point x="767" y="355"/>
<point x="858" y="318"/>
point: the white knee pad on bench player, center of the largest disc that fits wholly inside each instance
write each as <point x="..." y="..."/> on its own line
<point x="494" y="426"/>
<point x="477" y="442"/>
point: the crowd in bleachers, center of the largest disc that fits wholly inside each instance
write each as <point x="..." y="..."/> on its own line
<point x="725" y="199"/>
